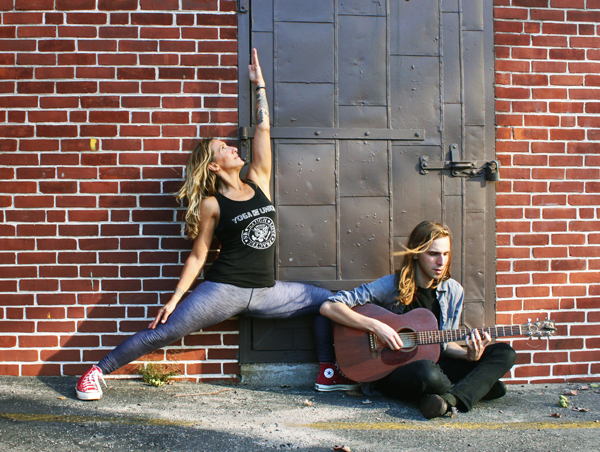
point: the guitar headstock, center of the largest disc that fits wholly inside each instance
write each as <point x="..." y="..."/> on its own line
<point x="539" y="328"/>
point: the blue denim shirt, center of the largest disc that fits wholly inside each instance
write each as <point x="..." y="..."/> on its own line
<point x="383" y="292"/>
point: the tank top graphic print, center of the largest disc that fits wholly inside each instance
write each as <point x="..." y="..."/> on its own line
<point x="247" y="231"/>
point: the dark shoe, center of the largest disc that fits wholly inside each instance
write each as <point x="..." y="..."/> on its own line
<point x="433" y="406"/>
<point x="332" y="379"/>
<point x="496" y="391"/>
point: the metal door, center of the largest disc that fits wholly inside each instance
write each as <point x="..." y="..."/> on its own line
<point x="382" y="116"/>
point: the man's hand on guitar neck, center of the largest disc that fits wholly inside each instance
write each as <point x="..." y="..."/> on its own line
<point x="476" y="344"/>
<point x="475" y="347"/>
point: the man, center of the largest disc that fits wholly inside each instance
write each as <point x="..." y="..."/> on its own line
<point x="462" y="376"/>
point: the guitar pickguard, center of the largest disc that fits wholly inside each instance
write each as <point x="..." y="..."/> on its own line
<point x="396" y="357"/>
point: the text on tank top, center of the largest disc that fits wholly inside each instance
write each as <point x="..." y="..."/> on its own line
<point x="247" y="232"/>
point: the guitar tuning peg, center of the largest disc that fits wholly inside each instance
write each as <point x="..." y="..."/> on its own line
<point x="528" y="320"/>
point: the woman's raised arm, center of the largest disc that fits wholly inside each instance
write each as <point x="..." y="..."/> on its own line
<point x="260" y="168"/>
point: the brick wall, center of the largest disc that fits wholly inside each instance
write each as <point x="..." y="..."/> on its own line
<point x="90" y="244"/>
<point x="548" y="219"/>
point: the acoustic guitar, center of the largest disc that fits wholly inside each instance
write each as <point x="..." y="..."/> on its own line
<point x="362" y="357"/>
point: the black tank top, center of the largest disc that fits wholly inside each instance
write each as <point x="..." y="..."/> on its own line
<point x="247" y="234"/>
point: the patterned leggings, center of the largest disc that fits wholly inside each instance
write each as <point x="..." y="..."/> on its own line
<point x="211" y="303"/>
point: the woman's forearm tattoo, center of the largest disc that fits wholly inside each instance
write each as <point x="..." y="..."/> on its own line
<point x="262" y="108"/>
<point x="179" y="292"/>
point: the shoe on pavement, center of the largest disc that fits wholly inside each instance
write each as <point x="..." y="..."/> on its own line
<point x="88" y="385"/>
<point x="433" y="405"/>
<point x="332" y="379"/>
<point x="496" y="391"/>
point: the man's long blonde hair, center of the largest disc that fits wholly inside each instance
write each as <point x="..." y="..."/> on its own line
<point x="421" y="238"/>
<point x="200" y="183"/>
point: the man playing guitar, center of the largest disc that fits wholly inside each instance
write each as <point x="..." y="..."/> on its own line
<point x="462" y="376"/>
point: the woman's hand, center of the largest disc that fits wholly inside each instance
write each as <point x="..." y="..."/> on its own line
<point x="476" y="344"/>
<point x="164" y="313"/>
<point x="254" y="70"/>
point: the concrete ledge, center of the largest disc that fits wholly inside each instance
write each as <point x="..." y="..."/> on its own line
<point x="277" y="374"/>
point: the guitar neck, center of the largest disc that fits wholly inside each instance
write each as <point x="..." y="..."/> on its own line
<point x="442" y="336"/>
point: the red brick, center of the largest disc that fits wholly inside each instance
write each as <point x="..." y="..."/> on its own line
<point x="541" y="120"/>
<point x="530" y="134"/>
<point x="512" y="93"/>
<point x="583" y="148"/>
<point x="18" y="355"/>
<point x="550" y="41"/>
<point x="566" y="107"/>
<point x="532" y="371"/>
<point x="508" y="39"/>
<point x="552" y="357"/>
<point x="549" y="93"/>
<point x="572" y="80"/>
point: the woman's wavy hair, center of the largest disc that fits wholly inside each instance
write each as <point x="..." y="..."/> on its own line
<point x="200" y="182"/>
<point x="421" y="238"/>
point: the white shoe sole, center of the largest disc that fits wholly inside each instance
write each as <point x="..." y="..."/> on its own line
<point x="89" y="395"/>
<point x="327" y="388"/>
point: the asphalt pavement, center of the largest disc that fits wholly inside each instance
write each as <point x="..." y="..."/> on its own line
<point x="43" y="414"/>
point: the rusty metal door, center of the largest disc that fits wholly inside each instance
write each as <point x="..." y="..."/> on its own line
<point x="382" y="116"/>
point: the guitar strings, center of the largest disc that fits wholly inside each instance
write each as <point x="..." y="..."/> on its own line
<point x="434" y="337"/>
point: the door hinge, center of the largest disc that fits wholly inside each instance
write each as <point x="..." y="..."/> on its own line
<point x="242" y="6"/>
<point x="244" y="144"/>
<point x="461" y="168"/>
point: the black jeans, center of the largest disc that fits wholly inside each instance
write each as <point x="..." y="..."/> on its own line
<point x="468" y="381"/>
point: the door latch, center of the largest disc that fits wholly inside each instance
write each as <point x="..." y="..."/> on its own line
<point x="462" y="168"/>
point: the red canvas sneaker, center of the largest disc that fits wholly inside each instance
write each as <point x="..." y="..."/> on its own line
<point x="88" y="386"/>
<point x="332" y="379"/>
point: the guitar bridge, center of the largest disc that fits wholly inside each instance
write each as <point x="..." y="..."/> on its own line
<point x="373" y="345"/>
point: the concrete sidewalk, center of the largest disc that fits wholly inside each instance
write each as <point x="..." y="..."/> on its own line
<point x="43" y="414"/>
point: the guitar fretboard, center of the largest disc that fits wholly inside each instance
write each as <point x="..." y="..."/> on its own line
<point x="441" y="336"/>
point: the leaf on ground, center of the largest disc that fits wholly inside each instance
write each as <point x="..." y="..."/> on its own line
<point x="563" y="402"/>
<point x="556" y="415"/>
<point x="584" y="388"/>
<point x="61" y="398"/>
<point x="585" y="410"/>
<point x="366" y="402"/>
<point x="308" y="403"/>
<point x="594" y="385"/>
<point x="570" y="392"/>
<point x="342" y="448"/>
<point x="454" y="411"/>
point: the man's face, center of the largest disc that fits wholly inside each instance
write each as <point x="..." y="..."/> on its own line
<point x="432" y="263"/>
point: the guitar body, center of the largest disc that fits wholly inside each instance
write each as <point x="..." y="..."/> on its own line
<point x="355" y="350"/>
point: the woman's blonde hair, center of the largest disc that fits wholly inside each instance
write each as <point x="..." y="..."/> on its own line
<point x="421" y="238"/>
<point x="200" y="183"/>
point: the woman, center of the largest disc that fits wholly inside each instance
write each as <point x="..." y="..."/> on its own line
<point x="241" y="280"/>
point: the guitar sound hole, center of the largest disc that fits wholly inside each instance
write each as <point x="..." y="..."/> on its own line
<point x="409" y="339"/>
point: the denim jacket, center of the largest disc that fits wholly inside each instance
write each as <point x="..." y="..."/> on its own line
<point x="383" y="292"/>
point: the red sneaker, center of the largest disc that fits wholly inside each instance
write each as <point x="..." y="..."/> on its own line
<point x="88" y="386"/>
<point x="332" y="379"/>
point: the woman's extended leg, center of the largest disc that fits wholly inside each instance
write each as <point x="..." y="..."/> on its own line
<point x="286" y="300"/>
<point x="209" y="304"/>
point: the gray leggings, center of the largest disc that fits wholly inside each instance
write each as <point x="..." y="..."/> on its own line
<point x="211" y="303"/>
